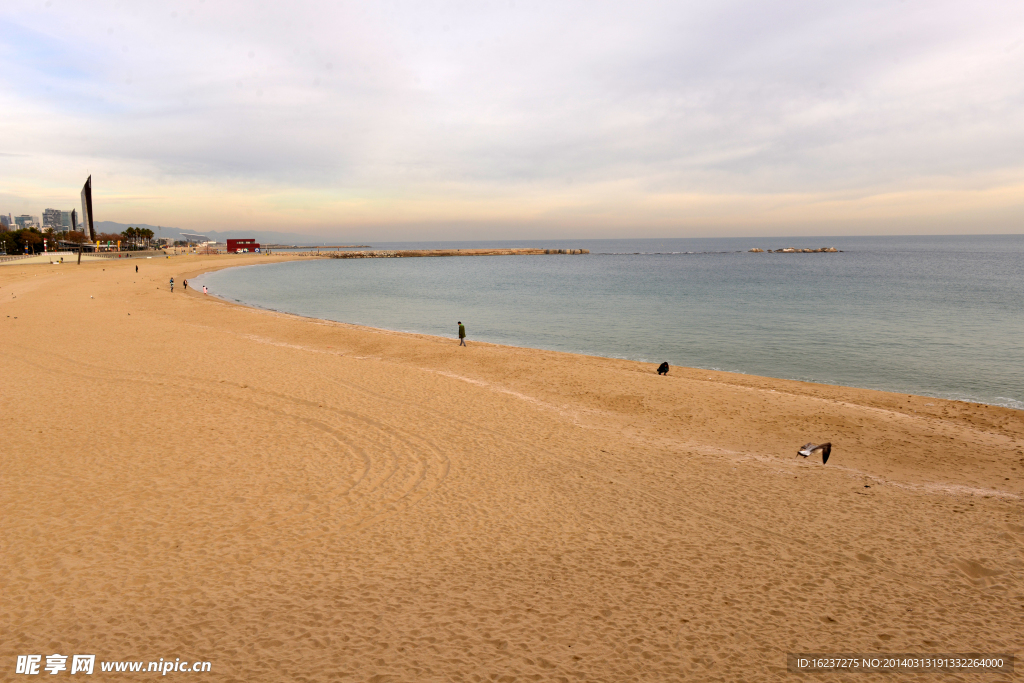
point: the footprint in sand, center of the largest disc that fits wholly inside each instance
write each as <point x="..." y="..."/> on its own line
<point x="977" y="574"/>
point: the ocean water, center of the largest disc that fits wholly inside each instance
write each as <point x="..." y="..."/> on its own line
<point x="937" y="316"/>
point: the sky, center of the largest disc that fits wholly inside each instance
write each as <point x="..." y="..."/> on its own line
<point x="518" y="119"/>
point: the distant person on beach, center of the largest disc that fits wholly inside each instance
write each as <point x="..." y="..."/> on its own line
<point x="462" y="334"/>
<point x="185" y="282"/>
<point x="136" y="267"/>
<point x="172" y="284"/>
<point x="204" y="290"/>
<point x="663" y="368"/>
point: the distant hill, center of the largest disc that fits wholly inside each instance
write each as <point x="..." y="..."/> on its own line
<point x="265" y="237"/>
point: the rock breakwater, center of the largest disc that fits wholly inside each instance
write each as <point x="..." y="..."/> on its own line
<point x="418" y="253"/>
<point x="793" y="250"/>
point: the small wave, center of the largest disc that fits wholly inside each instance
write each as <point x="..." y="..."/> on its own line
<point x="1001" y="401"/>
<point x="1007" y="402"/>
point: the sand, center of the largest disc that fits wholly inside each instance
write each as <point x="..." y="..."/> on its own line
<point x="299" y="500"/>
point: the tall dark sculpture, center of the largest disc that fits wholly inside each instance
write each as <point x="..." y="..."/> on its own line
<point x="90" y="232"/>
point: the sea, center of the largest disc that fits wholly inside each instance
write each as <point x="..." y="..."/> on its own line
<point x="939" y="316"/>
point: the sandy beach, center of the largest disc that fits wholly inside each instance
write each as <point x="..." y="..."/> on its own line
<point x="300" y="500"/>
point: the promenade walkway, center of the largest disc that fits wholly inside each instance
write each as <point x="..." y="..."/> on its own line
<point x="54" y="257"/>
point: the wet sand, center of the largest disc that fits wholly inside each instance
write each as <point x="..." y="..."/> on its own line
<point x="300" y="500"/>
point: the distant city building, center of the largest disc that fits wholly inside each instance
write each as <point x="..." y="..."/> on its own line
<point x="26" y="221"/>
<point x="242" y="246"/>
<point x="65" y="220"/>
<point x="6" y="221"/>
<point x="87" y="220"/>
<point x="51" y="218"/>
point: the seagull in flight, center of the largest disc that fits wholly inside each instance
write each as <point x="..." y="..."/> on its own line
<point x="809" y="448"/>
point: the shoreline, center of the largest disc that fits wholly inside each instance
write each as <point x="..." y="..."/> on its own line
<point x="934" y="396"/>
<point x="289" y="497"/>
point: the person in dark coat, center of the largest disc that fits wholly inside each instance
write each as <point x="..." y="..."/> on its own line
<point x="663" y="368"/>
<point x="462" y="334"/>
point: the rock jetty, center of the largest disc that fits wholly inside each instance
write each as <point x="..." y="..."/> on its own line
<point x="415" y="253"/>
<point x="793" y="250"/>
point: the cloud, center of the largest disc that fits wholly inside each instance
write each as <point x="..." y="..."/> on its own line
<point x="511" y="112"/>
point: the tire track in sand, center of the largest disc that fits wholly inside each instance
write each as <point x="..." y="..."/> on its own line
<point x="397" y="469"/>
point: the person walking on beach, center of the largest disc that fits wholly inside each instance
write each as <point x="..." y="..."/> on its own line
<point x="172" y="284"/>
<point x="185" y="282"/>
<point x="204" y="290"/>
<point x="462" y="334"/>
<point x="136" y="267"/>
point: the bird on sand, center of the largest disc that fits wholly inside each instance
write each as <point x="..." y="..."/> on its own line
<point x="809" y="448"/>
